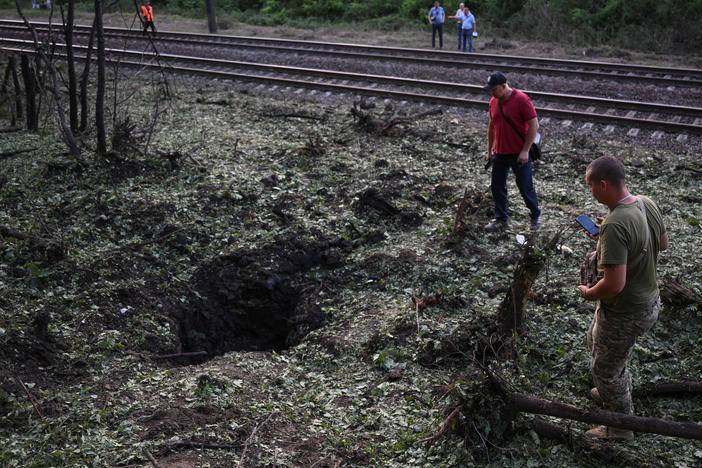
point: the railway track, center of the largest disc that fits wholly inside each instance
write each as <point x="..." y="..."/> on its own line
<point x="582" y="69"/>
<point x="586" y="111"/>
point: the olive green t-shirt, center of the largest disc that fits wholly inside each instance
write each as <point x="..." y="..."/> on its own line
<point x="622" y="238"/>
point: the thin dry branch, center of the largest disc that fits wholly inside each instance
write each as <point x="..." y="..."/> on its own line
<point x="30" y="396"/>
<point x="200" y="445"/>
<point x="250" y="438"/>
<point x="445" y="424"/>
<point x="151" y="459"/>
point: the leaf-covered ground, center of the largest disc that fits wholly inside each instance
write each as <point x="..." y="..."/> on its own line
<point x="248" y="205"/>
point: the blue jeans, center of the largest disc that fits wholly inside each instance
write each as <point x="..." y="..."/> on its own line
<point x="468" y="37"/>
<point x="460" y="34"/>
<point x="501" y="164"/>
<point x="440" y="28"/>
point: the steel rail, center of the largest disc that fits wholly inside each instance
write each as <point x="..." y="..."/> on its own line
<point x="623" y="72"/>
<point x="638" y="106"/>
<point x="590" y="115"/>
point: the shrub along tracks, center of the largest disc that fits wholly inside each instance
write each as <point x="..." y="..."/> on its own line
<point x="634" y="115"/>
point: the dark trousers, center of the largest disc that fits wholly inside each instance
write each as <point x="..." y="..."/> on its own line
<point x="440" y="28"/>
<point x="467" y="38"/>
<point x="501" y="164"/>
<point x="149" y="24"/>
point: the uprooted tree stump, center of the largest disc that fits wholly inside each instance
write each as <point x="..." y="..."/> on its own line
<point x="676" y="293"/>
<point x="486" y="412"/>
<point x="385" y="127"/>
<point x="510" y="315"/>
<point x="471" y="203"/>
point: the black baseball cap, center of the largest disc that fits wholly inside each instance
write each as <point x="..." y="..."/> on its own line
<point x="495" y="79"/>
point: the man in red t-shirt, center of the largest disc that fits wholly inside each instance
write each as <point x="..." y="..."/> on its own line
<point x="508" y="147"/>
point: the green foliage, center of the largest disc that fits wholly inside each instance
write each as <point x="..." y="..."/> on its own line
<point x="638" y="24"/>
<point x="325" y="9"/>
<point x="183" y="6"/>
<point x="415" y="9"/>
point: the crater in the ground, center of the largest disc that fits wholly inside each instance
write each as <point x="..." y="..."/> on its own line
<point x="258" y="299"/>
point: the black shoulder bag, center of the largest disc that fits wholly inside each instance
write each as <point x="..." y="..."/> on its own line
<point x="534" y="151"/>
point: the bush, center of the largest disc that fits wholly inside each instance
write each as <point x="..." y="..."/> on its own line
<point x="183" y="6"/>
<point x="416" y="9"/>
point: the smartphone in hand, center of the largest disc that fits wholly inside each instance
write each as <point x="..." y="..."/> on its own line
<point x="588" y="225"/>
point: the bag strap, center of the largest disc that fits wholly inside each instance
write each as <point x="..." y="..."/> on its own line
<point x="642" y="207"/>
<point x="509" y="121"/>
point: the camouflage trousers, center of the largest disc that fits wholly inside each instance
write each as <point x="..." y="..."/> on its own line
<point x="611" y="339"/>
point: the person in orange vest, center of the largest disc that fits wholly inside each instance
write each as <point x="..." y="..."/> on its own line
<point x="147" y="16"/>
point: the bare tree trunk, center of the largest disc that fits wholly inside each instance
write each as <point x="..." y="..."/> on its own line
<point x="84" y="81"/>
<point x="72" y="82"/>
<point x="30" y="93"/>
<point x="4" y="91"/>
<point x="18" y="90"/>
<point x="100" y="95"/>
<point x="67" y="133"/>
<point x="211" y="16"/>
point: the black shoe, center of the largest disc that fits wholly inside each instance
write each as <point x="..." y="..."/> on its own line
<point x="496" y="225"/>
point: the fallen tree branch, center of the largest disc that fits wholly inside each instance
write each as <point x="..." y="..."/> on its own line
<point x="299" y="116"/>
<point x="151" y="459"/>
<point x="50" y="246"/>
<point x="666" y="388"/>
<point x="675" y="292"/>
<point x="30" y="396"/>
<point x="200" y="445"/>
<point x="617" y="455"/>
<point x="7" y="154"/>
<point x="9" y="232"/>
<point x="178" y="355"/>
<point x="530" y="404"/>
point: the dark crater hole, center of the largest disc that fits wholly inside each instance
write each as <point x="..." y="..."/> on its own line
<point x="257" y="300"/>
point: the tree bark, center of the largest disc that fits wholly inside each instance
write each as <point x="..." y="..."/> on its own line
<point x="510" y="315"/>
<point x="29" y="91"/>
<point x="17" y="108"/>
<point x="72" y="82"/>
<point x="100" y="95"/>
<point x="211" y="16"/>
<point x="84" y="81"/>
<point x="530" y="404"/>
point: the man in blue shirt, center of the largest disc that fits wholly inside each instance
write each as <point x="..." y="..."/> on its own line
<point x="467" y="29"/>
<point x="436" y="19"/>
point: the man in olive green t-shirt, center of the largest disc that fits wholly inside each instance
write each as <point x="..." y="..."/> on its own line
<point x="627" y="254"/>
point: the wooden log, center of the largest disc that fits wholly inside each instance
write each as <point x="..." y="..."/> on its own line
<point x="608" y="453"/>
<point x="530" y="404"/>
<point x="666" y="388"/>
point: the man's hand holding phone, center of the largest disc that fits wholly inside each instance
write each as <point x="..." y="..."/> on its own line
<point x="592" y="230"/>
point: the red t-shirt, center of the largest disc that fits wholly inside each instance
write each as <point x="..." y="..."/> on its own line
<point x="519" y="108"/>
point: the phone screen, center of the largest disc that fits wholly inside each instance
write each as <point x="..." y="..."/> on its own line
<point x="588" y="225"/>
